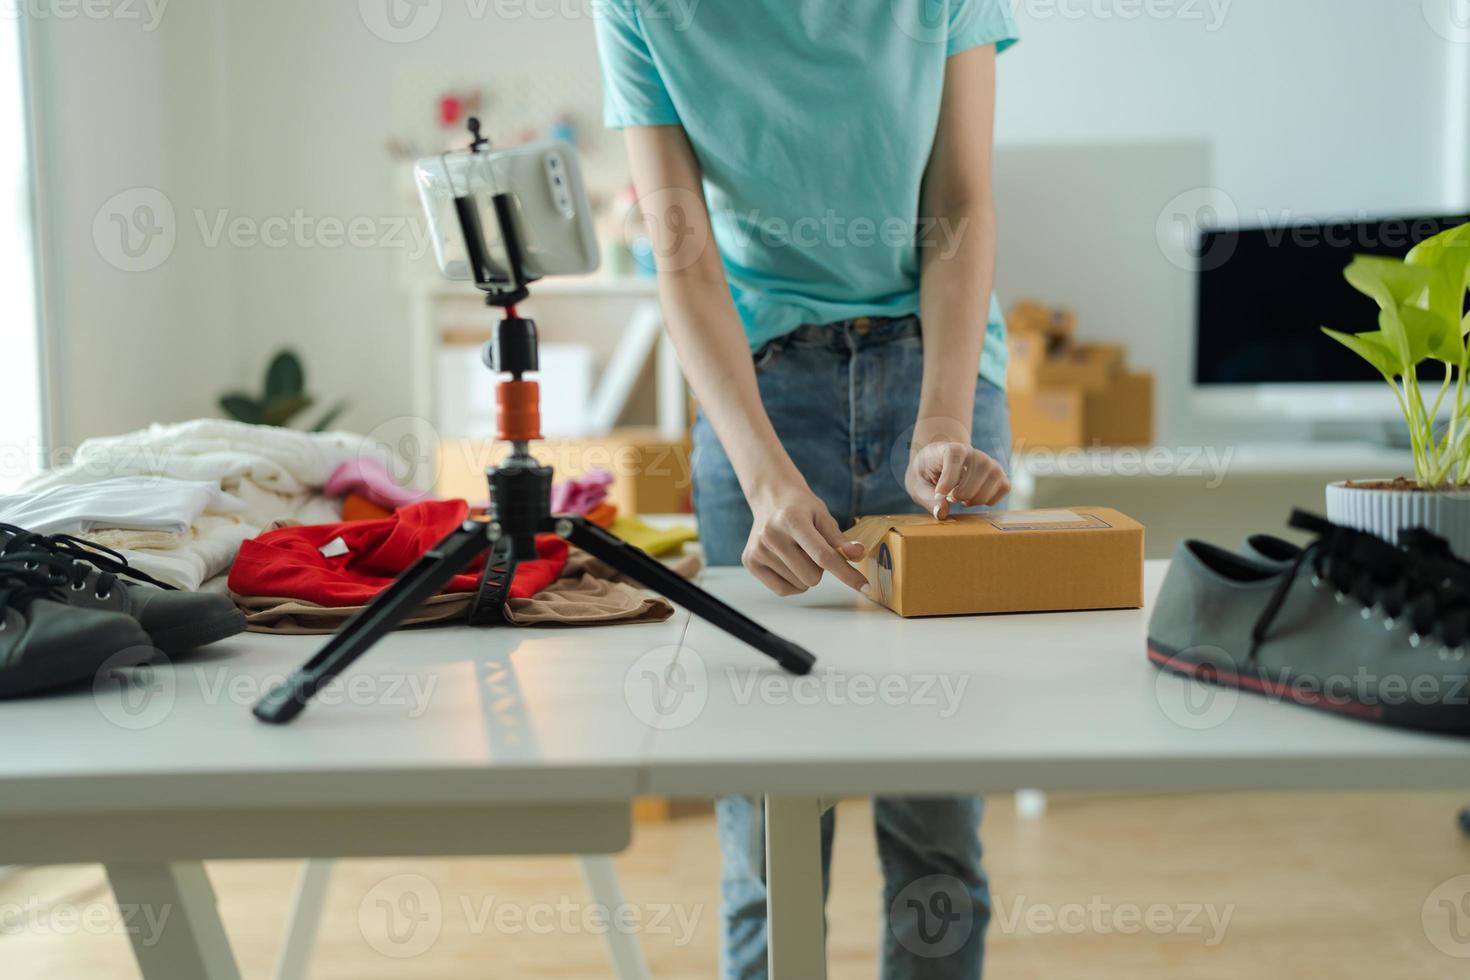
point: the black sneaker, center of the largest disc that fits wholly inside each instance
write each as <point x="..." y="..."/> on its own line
<point x="93" y="577"/>
<point x="44" y="643"/>
<point x="1352" y="624"/>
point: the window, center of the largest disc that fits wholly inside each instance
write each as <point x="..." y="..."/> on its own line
<point x="20" y="386"/>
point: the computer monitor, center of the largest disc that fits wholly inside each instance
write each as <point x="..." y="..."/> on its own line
<point x="1265" y="292"/>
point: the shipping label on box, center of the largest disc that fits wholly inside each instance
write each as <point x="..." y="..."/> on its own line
<point x="1003" y="562"/>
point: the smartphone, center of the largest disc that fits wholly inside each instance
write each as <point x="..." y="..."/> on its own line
<point x="548" y="201"/>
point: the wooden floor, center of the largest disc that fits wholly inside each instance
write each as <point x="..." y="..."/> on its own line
<point x="1257" y="886"/>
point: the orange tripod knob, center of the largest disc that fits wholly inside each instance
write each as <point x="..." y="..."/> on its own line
<point x="518" y="410"/>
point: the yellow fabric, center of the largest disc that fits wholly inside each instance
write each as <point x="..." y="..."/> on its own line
<point x="657" y="541"/>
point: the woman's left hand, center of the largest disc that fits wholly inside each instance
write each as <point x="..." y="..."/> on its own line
<point x="944" y="473"/>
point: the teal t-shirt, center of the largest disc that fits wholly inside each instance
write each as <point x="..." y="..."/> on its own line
<point x="812" y="121"/>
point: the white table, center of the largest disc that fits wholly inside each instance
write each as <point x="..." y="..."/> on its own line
<point x="536" y="741"/>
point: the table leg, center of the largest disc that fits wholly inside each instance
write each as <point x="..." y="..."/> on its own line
<point x="607" y="891"/>
<point x="170" y="916"/>
<point x="795" y="928"/>
<point x="304" y="919"/>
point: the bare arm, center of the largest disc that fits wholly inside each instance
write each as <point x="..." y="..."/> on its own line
<point x="794" y="538"/>
<point x="957" y="234"/>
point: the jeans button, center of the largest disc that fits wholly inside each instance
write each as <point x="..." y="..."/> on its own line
<point x="862" y="325"/>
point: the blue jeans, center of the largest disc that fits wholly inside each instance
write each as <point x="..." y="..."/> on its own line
<point x="843" y="399"/>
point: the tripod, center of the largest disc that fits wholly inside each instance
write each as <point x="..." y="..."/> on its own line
<point x="520" y="507"/>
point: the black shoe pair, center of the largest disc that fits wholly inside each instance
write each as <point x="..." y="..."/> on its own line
<point x="69" y="608"/>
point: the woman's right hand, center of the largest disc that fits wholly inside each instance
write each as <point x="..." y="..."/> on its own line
<point x="794" y="539"/>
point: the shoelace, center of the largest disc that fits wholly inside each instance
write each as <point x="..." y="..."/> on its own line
<point x="1430" y="592"/>
<point x="21" y="583"/>
<point x="72" y="558"/>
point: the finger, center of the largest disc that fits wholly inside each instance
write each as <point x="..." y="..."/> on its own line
<point x="953" y="470"/>
<point x="827" y="527"/>
<point x="804" y="572"/>
<point x="940" y="508"/>
<point x="821" y="551"/>
<point x="977" y="474"/>
<point x="771" y="580"/>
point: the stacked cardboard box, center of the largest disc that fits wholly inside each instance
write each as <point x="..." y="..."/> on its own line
<point x="1065" y="393"/>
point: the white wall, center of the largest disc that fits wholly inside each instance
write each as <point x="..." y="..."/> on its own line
<point x="124" y="107"/>
<point x="1308" y="106"/>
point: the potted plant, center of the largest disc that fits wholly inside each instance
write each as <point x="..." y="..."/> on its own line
<point x="282" y="398"/>
<point x="1422" y="318"/>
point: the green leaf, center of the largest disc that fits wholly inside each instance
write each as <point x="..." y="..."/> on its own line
<point x="1372" y="347"/>
<point x="241" y="408"/>
<point x="285" y="378"/>
<point x="1447" y="256"/>
<point x="1430" y="336"/>
<point x="1391" y="284"/>
<point x="279" y="411"/>
<point x="326" y="420"/>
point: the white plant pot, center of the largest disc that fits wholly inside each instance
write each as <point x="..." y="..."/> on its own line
<point x="1386" y="512"/>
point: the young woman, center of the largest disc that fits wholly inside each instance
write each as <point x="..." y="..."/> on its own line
<point x="815" y="177"/>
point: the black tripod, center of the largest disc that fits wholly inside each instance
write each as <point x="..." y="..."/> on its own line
<point x="520" y="507"/>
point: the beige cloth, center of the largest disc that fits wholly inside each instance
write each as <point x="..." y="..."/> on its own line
<point x="588" y="593"/>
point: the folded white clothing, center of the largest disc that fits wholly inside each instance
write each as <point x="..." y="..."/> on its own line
<point x="217" y="451"/>
<point x="209" y="548"/>
<point x="202" y="556"/>
<point x="135" y="503"/>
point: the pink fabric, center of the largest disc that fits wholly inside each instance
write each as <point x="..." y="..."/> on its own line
<point x="370" y="480"/>
<point x="579" y="496"/>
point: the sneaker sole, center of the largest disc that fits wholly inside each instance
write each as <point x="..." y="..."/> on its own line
<point x="1445" y="718"/>
<point x="191" y="635"/>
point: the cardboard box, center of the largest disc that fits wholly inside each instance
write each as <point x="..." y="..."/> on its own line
<point x="1047" y="418"/>
<point x="1122" y="414"/>
<point x="1056" y="325"/>
<point x="650" y="475"/>
<point x="1091" y="367"/>
<point x="1005" y="562"/>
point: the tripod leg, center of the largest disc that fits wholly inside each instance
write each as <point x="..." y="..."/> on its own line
<point x="423" y="579"/>
<point x="500" y="570"/>
<point x="651" y="573"/>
